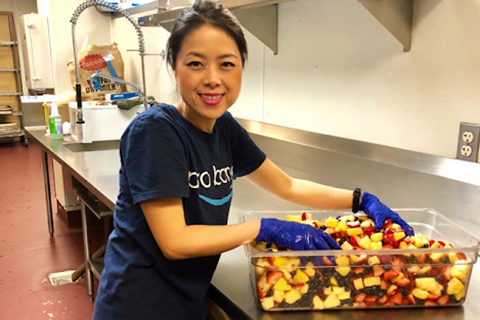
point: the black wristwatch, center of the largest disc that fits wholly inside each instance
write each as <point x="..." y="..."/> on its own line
<point x="356" y="199"/>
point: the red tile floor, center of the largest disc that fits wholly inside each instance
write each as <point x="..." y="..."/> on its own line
<point x="27" y="252"/>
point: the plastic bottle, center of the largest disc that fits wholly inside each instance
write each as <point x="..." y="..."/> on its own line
<point x="55" y="122"/>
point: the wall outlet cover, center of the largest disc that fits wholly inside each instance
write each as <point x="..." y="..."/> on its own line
<point x="468" y="142"/>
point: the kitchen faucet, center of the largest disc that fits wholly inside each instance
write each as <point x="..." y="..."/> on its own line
<point x="141" y="44"/>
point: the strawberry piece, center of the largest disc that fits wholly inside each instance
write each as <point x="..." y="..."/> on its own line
<point x="369" y="304"/>
<point x="431" y="242"/>
<point x="361" y="305"/>
<point x="388" y="224"/>
<point x="435" y="271"/>
<point x="414" y="270"/>
<point x="387" y="246"/>
<point x="353" y="241"/>
<point x="271" y="260"/>
<point x="441" y="243"/>
<point x="304" y="216"/>
<point x="411" y="298"/>
<point x="316" y="225"/>
<point x="274" y="276"/>
<point x="397" y="264"/>
<point x="353" y="224"/>
<point x="429" y="303"/>
<point x="403" y="282"/>
<point x="461" y="256"/>
<point x="320" y="294"/>
<point x="378" y="270"/>
<point x="396" y="298"/>
<point x="358" y="270"/>
<point x="388" y="239"/>
<point x="369" y="231"/>
<point x="443" y="300"/>
<point x="383" y="284"/>
<point x="326" y="261"/>
<point x="421" y="258"/>
<point x="390" y="274"/>
<point x="432" y="297"/>
<point x="359" y="297"/>
<point x="383" y="300"/>
<point x="260" y="294"/>
<point x="446" y="273"/>
<point x="298" y="286"/>
<point x="389" y="304"/>
<point x="385" y="258"/>
<point x="362" y="258"/>
<point x="370" y="299"/>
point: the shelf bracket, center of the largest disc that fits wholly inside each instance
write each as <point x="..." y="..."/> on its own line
<point x="262" y="22"/>
<point x="395" y="15"/>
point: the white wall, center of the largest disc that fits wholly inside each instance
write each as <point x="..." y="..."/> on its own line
<point x="19" y="8"/>
<point x="338" y="71"/>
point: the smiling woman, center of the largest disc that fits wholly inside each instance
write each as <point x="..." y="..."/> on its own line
<point x="178" y="164"/>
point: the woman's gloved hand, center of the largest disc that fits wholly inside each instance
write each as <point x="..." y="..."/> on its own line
<point x="380" y="212"/>
<point x="295" y="236"/>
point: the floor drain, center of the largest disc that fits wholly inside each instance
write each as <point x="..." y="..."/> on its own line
<point x="59" y="278"/>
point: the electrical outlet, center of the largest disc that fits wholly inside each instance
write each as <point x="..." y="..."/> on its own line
<point x="468" y="141"/>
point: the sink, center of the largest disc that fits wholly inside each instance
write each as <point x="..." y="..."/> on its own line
<point x="93" y="146"/>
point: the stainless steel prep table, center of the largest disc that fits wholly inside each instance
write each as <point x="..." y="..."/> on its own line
<point x="401" y="178"/>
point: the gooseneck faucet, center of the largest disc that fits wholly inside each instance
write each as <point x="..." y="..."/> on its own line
<point x="137" y="87"/>
<point x="141" y="49"/>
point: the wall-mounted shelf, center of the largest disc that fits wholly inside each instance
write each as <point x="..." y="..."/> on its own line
<point x="260" y="17"/>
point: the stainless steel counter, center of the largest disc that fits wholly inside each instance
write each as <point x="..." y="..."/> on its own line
<point x="400" y="178"/>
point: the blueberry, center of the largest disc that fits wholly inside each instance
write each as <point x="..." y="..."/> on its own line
<point x="342" y="240"/>
<point x="355" y="218"/>
<point x="378" y="230"/>
<point x="322" y="227"/>
<point x="338" y="217"/>
<point x="426" y="245"/>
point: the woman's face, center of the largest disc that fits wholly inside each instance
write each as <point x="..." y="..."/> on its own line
<point x="209" y="76"/>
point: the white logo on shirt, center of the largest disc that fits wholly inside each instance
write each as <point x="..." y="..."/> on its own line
<point x="220" y="176"/>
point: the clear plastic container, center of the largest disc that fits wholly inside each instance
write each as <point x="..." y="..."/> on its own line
<point x="359" y="279"/>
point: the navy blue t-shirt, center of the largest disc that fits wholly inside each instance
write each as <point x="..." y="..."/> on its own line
<point x="164" y="155"/>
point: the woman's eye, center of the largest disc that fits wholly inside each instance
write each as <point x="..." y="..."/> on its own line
<point x="228" y="64"/>
<point x="194" y="64"/>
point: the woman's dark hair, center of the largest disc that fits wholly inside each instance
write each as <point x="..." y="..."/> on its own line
<point x="204" y="13"/>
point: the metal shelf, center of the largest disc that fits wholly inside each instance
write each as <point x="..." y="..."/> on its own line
<point x="8" y="43"/>
<point x="9" y="70"/>
<point x="11" y="113"/>
<point x="12" y="134"/>
<point x="260" y="17"/>
<point x="11" y="93"/>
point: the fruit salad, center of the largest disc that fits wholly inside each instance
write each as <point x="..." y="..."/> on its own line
<point x="365" y="279"/>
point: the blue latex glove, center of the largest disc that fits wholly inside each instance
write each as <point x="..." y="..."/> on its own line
<point x="380" y="212"/>
<point x="295" y="236"/>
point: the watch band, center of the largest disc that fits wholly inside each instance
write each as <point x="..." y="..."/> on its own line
<point x="356" y="199"/>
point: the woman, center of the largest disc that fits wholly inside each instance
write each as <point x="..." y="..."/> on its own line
<point x="177" y="167"/>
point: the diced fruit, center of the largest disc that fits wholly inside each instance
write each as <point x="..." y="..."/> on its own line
<point x="462" y="266"/>
<point x="338" y="290"/>
<point x="396" y="298"/>
<point x="278" y="295"/>
<point x="286" y="274"/>
<point x="318" y="303"/>
<point x="341" y="226"/>
<point x="365" y="242"/>
<point x="331" y="222"/>
<point x="333" y="281"/>
<point x="371" y="281"/>
<point x="358" y="284"/>
<point x="327" y="291"/>
<point x="424" y="269"/>
<point x="268" y="303"/>
<point x="304" y="288"/>
<point x="420" y="294"/>
<point x="400" y="276"/>
<point x="452" y="256"/>
<point x="459" y="295"/>
<point x="300" y="277"/>
<point x="354" y="231"/>
<point x="403" y="282"/>
<point x="367" y="223"/>
<point x="377" y="236"/>
<point x="454" y="286"/>
<point x="373" y="260"/>
<point x="425" y="283"/>
<point x="390" y="274"/>
<point x="309" y="270"/>
<point x="282" y="285"/>
<point x="274" y="276"/>
<point x="292" y="296"/>
<point x="378" y="270"/>
<point x="343" y="271"/>
<point x="398" y="235"/>
<point x="443" y="299"/>
<point x="293" y="218"/>
<point x="456" y="273"/>
<point x="292" y="264"/>
<point x="375" y="245"/>
<point x="391" y="289"/>
<point x="346" y="246"/>
<point x="342" y="261"/>
<point x="344" y="296"/>
<point x="332" y="301"/>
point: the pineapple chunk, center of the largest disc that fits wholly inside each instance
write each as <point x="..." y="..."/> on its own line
<point x="375" y="245"/>
<point x="462" y="266"/>
<point x="373" y="260"/>
<point x="294" y="218"/>
<point x="278" y="295"/>
<point x="292" y="296"/>
<point x="262" y="246"/>
<point x="438" y="290"/>
<point x="398" y="235"/>
<point x="367" y="223"/>
<point x="331" y="222"/>
<point x="377" y="236"/>
<point x="395" y="226"/>
<point x="400" y="276"/>
<point x="456" y="273"/>
<point x="365" y="242"/>
<point x="341" y="226"/>
<point x="371" y="281"/>
<point x="291" y="264"/>
<point x="403" y="245"/>
<point x="327" y="291"/>
<point x="286" y="274"/>
<point x="358" y="283"/>
<point x="333" y="281"/>
<point x="332" y="301"/>
<point x="309" y="269"/>
<point x="391" y="288"/>
<point x="460" y="295"/>
<point x="346" y="246"/>
<point x="338" y="290"/>
<point x="318" y="303"/>
<point x="424" y="283"/>
<point x="435" y="245"/>
<point x="454" y="286"/>
<point x="344" y="296"/>
<point x="343" y="271"/>
<point x="300" y="277"/>
<point x="279" y="261"/>
<point x="420" y="294"/>
<point x="354" y="231"/>
<point x="452" y="256"/>
<point x="425" y="269"/>
<point x="342" y="261"/>
<point x="282" y="285"/>
<point x="268" y="303"/>
<point x="436" y="256"/>
<point x="304" y="288"/>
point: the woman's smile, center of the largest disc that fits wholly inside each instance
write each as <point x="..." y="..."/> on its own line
<point x="212" y="99"/>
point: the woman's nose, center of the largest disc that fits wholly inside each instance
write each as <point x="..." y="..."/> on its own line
<point x="212" y="78"/>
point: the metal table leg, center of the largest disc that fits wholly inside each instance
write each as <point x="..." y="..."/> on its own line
<point x="48" y="195"/>
<point x="86" y="246"/>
